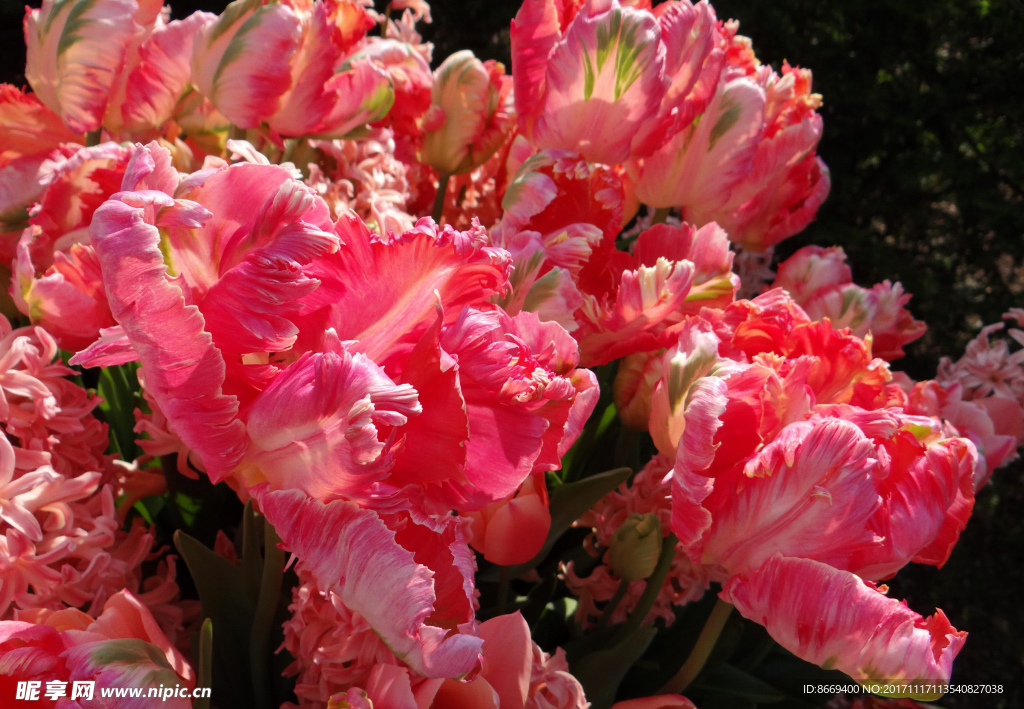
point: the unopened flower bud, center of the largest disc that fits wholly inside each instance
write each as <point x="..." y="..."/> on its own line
<point x="470" y="114"/>
<point x="635" y="547"/>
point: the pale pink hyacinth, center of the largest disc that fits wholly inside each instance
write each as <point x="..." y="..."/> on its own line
<point x="368" y="180"/>
<point x="989" y="367"/>
<point x="651" y="492"/>
<point x="551" y="684"/>
<point x="61" y="538"/>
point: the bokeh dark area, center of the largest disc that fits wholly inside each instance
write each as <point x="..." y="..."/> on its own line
<point x="924" y="134"/>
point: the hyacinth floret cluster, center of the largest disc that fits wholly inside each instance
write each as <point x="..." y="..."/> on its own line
<point x="411" y="312"/>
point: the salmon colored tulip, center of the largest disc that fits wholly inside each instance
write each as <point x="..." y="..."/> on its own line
<point x="512" y="531"/>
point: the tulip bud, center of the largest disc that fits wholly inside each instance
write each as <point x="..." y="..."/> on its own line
<point x="635" y="547"/>
<point x="512" y="531"/>
<point x="470" y="114"/>
<point x="633" y="388"/>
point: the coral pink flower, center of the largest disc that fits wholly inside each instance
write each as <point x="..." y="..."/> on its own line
<point x="778" y="457"/>
<point x="701" y="167"/>
<point x="115" y="63"/>
<point x="561" y="218"/>
<point x="609" y="81"/>
<point x="28" y="127"/>
<point x="30" y="134"/>
<point x="499" y="393"/>
<point x="469" y="116"/>
<point x="123" y="647"/>
<point x="821" y="282"/>
<point x="787" y="183"/>
<point x="512" y="531"/>
<point x="516" y="673"/>
<point x="288" y="65"/>
<point x="674" y="271"/>
<point x="412" y="81"/>
<point x="989" y="368"/>
<point x="368" y="180"/>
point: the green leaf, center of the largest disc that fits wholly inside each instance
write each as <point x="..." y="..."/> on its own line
<point x="601" y="672"/>
<point x="733" y="681"/>
<point x="119" y="387"/>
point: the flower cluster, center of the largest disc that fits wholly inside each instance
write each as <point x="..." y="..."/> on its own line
<point x="379" y="302"/>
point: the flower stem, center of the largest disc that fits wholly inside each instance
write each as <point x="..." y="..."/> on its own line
<point x="442" y="191"/>
<point x="504" y="579"/>
<point x="613" y="603"/>
<point x="653" y="588"/>
<point x="701" y="651"/>
<point x="660" y="215"/>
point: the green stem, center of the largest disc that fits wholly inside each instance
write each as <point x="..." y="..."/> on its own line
<point x="93" y="137"/>
<point x="263" y="619"/>
<point x="504" y="580"/>
<point x="613" y="604"/>
<point x="701" y="651"/>
<point x="652" y="589"/>
<point x="442" y="190"/>
<point x="205" y="678"/>
<point x="660" y="215"/>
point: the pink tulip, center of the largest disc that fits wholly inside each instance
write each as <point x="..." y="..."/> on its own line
<point x="674" y="271"/>
<point x="123" y="647"/>
<point x="512" y="531"/>
<point x="610" y="81"/>
<point x="787" y="183"/>
<point x="791" y="462"/>
<point x="115" y="63"/>
<point x="701" y="167"/>
<point x="469" y="116"/>
<point x="821" y="282"/>
<point x="288" y="65"/>
<point x="31" y="136"/>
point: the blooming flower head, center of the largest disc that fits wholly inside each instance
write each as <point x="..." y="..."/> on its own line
<point x="798" y="505"/>
<point x="821" y="282"/>
<point x="118" y="64"/>
<point x="610" y="81"/>
<point x="123" y="647"/>
<point x="288" y="65"/>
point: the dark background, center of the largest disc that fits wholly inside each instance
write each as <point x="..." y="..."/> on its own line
<point x="924" y="134"/>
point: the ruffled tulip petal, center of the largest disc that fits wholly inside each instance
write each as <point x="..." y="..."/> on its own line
<point x="184" y="371"/>
<point x="836" y="620"/>
<point x="153" y="87"/>
<point x="361" y="561"/>
<point x="316" y="427"/>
